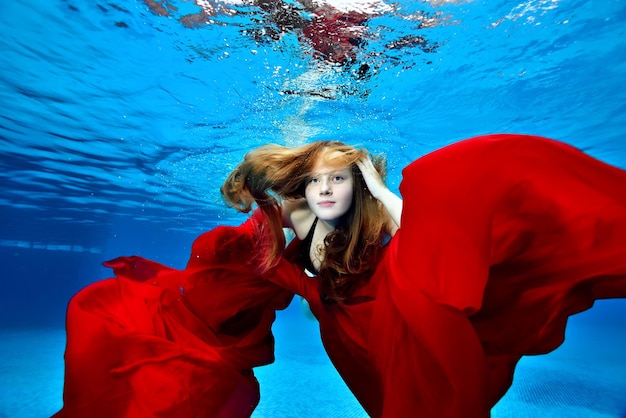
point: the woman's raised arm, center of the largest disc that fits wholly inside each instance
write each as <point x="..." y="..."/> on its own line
<point x="378" y="189"/>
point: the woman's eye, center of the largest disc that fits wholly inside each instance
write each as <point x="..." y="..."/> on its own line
<point x="337" y="178"/>
<point x="313" y="181"/>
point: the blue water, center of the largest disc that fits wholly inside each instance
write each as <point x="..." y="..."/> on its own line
<point x="118" y="125"/>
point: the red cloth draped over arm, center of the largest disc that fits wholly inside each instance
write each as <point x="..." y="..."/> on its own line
<point x="157" y="341"/>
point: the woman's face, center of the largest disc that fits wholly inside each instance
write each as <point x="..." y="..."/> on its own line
<point x="329" y="192"/>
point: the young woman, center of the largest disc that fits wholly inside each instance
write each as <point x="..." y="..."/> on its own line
<point x="157" y="341"/>
<point x="502" y="238"/>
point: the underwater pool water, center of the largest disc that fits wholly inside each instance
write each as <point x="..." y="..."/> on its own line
<point x="119" y="122"/>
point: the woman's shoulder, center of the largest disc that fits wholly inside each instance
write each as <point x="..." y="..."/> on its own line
<point x="298" y="216"/>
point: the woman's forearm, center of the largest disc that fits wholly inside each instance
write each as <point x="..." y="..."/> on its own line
<point x="392" y="203"/>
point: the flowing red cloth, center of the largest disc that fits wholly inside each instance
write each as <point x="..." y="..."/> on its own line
<point x="502" y="238"/>
<point x="173" y="343"/>
<point x="335" y="35"/>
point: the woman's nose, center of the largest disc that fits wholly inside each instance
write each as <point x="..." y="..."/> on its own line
<point x="325" y="187"/>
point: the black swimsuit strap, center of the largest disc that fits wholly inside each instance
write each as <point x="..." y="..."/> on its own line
<point x="304" y="253"/>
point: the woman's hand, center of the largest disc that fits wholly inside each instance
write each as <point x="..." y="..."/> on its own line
<point x="372" y="178"/>
<point x="379" y="190"/>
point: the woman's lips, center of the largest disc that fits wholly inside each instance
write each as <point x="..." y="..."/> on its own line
<point x="326" y="203"/>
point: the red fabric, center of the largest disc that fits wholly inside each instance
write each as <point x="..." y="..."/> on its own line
<point x="173" y="343"/>
<point x="334" y="35"/>
<point x="502" y="238"/>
